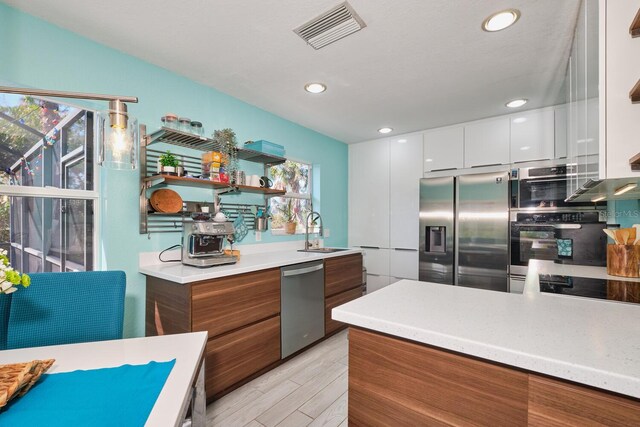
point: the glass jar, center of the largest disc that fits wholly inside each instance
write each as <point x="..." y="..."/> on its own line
<point x="197" y="129"/>
<point x="184" y="124"/>
<point x="170" y="120"/>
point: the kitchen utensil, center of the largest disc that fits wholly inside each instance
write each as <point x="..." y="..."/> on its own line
<point x="261" y="224"/>
<point x="611" y="234"/>
<point x="632" y="236"/>
<point x="166" y="201"/>
<point x="241" y="228"/>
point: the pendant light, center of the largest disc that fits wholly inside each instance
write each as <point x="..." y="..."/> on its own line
<point x="118" y="136"/>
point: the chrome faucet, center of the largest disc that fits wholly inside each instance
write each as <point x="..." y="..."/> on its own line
<point x="306" y="228"/>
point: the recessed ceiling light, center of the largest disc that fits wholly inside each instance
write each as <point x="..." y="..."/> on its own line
<point x="516" y="103"/>
<point x="385" y="130"/>
<point x="428" y="160"/>
<point x="315" y="87"/>
<point x="598" y="199"/>
<point x="501" y="20"/>
<point x="625" y="188"/>
<point x="402" y="141"/>
<point x="525" y="148"/>
<point x="519" y="120"/>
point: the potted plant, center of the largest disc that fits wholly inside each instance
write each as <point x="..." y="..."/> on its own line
<point x="10" y="279"/>
<point x="228" y="143"/>
<point x="289" y="217"/>
<point x="167" y="163"/>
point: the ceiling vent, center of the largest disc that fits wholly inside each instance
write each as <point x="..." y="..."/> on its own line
<point x="331" y="26"/>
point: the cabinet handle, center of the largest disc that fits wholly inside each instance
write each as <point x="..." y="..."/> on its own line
<point x="376" y="275"/>
<point x="482" y="166"/>
<point x="406" y="249"/>
<point x="300" y="271"/>
<point x="444" y="169"/>
<point x="370" y="247"/>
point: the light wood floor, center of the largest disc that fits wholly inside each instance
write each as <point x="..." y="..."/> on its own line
<point x="308" y="390"/>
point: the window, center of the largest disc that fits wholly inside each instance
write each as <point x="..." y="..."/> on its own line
<point x="47" y="188"/>
<point x="295" y="179"/>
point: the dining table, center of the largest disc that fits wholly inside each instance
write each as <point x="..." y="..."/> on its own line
<point x="182" y="390"/>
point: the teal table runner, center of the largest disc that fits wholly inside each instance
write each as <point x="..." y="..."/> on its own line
<point x="121" y="396"/>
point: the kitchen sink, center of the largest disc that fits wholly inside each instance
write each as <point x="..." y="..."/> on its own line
<point x="323" y="250"/>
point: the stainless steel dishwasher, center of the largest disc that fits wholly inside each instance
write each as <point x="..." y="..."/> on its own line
<point x="302" y="305"/>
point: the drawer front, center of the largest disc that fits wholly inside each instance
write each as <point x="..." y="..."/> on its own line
<point x="235" y="356"/>
<point x="403" y="264"/>
<point x="376" y="260"/>
<point x="331" y="325"/>
<point x="228" y="303"/>
<point x="342" y="273"/>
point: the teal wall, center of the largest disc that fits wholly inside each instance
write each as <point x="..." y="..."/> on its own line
<point x="624" y="212"/>
<point x="37" y="54"/>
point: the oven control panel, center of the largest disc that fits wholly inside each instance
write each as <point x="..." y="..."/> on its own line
<point x="558" y="217"/>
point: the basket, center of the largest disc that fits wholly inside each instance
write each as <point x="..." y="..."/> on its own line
<point x="17" y="378"/>
<point x="265" y="147"/>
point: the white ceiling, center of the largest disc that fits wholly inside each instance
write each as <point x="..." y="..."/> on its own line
<point x="418" y="64"/>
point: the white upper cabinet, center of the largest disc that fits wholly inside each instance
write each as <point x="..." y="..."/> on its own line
<point x="405" y="171"/>
<point x="444" y="148"/>
<point x="486" y="142"/>
<point x="369" y="194"/>
<point x="532" y="136"/>
<point x="560" y="130"/>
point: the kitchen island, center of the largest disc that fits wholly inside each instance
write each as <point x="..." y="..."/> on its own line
<point x="423" y="353"/>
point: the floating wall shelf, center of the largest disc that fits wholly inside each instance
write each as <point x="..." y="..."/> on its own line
<point x="153" y="222"/>
<point x="634" y="95"/>
<point x="634" y="29"/>
<point x="635" y="162"/>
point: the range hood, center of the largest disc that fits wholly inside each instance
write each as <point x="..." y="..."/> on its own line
<point x="601" y="190"/>
<point x="606" y="189"/>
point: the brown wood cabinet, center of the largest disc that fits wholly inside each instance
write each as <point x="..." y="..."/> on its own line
<point x="342" y="283"/>
<point x="393" y="381"/>
<point x="222" y="305"/>
<point x="241" y="313"/>
<point x="232" y="357"/>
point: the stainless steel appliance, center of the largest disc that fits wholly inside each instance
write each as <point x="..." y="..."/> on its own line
<point x="301" y="306"/>
<point x="570" y="237"/>
<point x="541" y="187"/>
<point x="464" y="230"/>
<point x="203" y="243"/>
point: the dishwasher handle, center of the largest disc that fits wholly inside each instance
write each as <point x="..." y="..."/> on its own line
<point x="298" y="272"/>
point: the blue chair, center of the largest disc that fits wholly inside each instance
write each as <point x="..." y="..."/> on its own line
<point x="65" y="308"/>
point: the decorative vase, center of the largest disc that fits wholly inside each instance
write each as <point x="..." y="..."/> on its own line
<point x="290" y="228"/>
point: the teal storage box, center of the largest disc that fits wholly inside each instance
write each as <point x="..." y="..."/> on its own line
<point x="265" y="147"/>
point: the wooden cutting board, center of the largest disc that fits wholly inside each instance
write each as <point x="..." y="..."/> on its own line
<point x="166" y="201"/>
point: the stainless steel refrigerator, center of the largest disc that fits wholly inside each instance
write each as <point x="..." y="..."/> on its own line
<point x="464" y="230"/>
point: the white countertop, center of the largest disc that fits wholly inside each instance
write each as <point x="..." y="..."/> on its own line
<point x="588" y="341"/>
<point x="176" y="272"/>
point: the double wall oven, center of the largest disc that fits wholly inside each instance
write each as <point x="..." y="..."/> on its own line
<point x="543" y="226"/>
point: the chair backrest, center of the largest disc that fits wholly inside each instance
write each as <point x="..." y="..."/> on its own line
<point x="65" y="308"/>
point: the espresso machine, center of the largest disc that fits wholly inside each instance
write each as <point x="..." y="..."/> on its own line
<point x="203" y="242"/>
